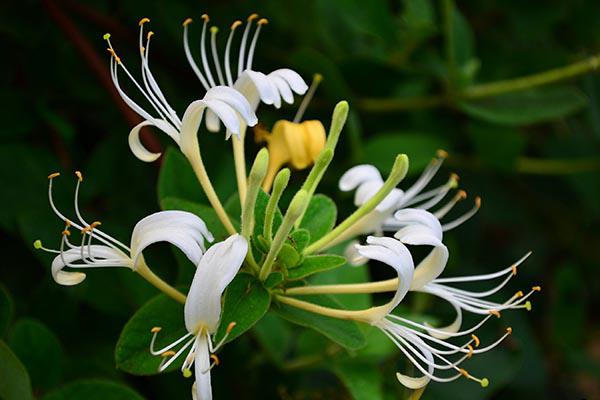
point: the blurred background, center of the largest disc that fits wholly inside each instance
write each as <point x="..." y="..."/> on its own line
<point x="469" y="77"/>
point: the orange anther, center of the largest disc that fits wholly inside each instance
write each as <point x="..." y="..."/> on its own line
<point x="478" y="202"/>
<point x="476" y="340"/>
<point x="143" y="21"/>
<point x="53" y="175"/>
<point x="263" y="21"/>
<point x="236" y="24"/>
<point x="470" y="353"/>
<point x="79" y="176"/>
<point x="168" y="353"/>
<point x="537" y="288"/>
<point x="230" y="327"/>
<point x="519" y="294"/>
<point x="252" y="17"/>
<point x="156" y="329"/>
<point x="509" y="330"/>
<point x="495" y="312"/>
<point x="187" y="21"/>
<point x="514" y="269"/>
<point x="215" y="359"/>
<point x="441" y="153"/>
<point x="205" y="18"/>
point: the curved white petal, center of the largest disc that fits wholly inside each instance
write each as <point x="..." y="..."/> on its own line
<point x="412" y="382"/>
<point x="216" y="270"/>
<point x="235" y="100"/>
<point x="255" y="86"/>
<point x="136" y="145"/>
<point x="283" y="88"/>
<point x="190" y="123"/>
<point x="226" y="114"/>
<point x="358" y="175"/>
<point x="180" y="228"/>
<point x="202" y="389"/>
<point x="67" y="278"/>
<point x="409" y="216"/>
<point x="292" y="78"/>
<point x="212" y="121"/>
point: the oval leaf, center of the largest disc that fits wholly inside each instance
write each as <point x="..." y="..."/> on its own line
<point x="313" y="264"/>
<point x="319" y="217"/>
<point x="15" y="383"/>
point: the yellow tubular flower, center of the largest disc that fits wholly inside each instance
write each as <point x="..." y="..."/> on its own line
<point x="297" y="144"/>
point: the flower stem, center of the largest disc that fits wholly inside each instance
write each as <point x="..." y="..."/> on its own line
<point x="366" y="315"/>
<point x="279" y="185"/>
<point x="145" y="272"/>
<point x="293" y="212"/>
<point x="239" y="158"/>
<point x="398" y="173"/>
<point x="388" y="285"/>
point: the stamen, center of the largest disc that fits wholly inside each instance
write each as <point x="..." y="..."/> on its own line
<point x="227" y="52"/>
<point x="213" y="44"/>
<point x="188" y="54"/>
<point x="519" y="294"/>
<point x="317" y="78"/>
<point x="260" y="23"/>
<point x="215" y="359"/>
<point x="230" y="327"/>
<point x="459" y="196"/>
<point x="203" y="51"/>
<point x="156" y="329"/>
<point x="53" y="175"/>
<point x="464" y="217"/>
<point x="79" y="176"/>
<point x="441" y="153"/>
<point x="509" y="330"/>
<point x="476" y="339"/>
<point x="243" y="43"/>
<point x="187" y="21"/>
<point x="495" y="312"/>
<point x="537" y="288"/>
<point x="470" y="353"/>
<point x="168" y="353"/>
<point x="143" y="21"/>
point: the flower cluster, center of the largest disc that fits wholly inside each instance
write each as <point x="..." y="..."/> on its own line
<point x="395" y="220"/>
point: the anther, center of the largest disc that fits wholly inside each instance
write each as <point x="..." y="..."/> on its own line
<point x="156" y="329"/>
<point x="495" y="312"/>
<point x="106" y="36"/>
<point x="95" y="224"/>
<point x="53" y="175"/>
<point x="143" y="21"/>
<point x="454" y="177"/>
<point x="79" y="176"/>
<point x="86" y="229"/>
<point x="149" y="35"/>
<point x="205" y="17"/>
<point x="66" y="232"/>
<point x="67" y="223"/>
<point x="519" y="294"/>
<point x="230" y="327"/>
<point x="461" y="195"/>
<point x="168" y="353"/>
<point x="37" y="244"/>
<point x="236" y="24"/>
<point x="537" y="288"/>
<point x="441" y="153"/>
<point x="252" y="17"/>
<point x="509" y="330"/>
<point x="464" y="372"/>
<point x="478" y="202"/>
<point x="215" y="359"/>
<point x="263" y="21"/>
<point x="470" y="353"/>
<point x="514" y="270"/>
<point x="187" y="22"/>
<point x="476" y="340"/>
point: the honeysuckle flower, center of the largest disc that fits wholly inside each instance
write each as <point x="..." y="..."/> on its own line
<point x="98" y="249"/>
<point x="202" y="313"/>
<point x="430" y="354"/>
<point x="224" y="103"/>
<point x="255" y="86"/>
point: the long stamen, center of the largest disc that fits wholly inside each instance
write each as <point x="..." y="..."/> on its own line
<point x="222" y="341"/>
<point x="259" y="24"/>
<point x="459" y="196"/>
<point x="243" y="44"/>
<point x="227" y="52"/>
<point x="203" y="51"/>
<point x="190" y="58"/>
<point x="155" y="332"/>
<point x="213" y="45"/>
<point x="174" y="357"/>
<point x="483" y="277"/>
<point x="317" y="78"/>
<point x="458" y="221"/>
<point x="424" y="179"/>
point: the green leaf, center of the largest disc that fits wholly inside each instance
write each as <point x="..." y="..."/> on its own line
<point x="344" y="332"/>
<point x="313" y="264"/>
<point x="245" y="302"/>
<point x="177" y="178"/>
<point x="259" y="214"/>
<point x="6" y="310"/>
<point x="207" y="213"/>
<point x="419" y="147"/>
<point x="527" y="107"/>
<point x="300" y="238"/>
<point x="14" y="382"/>
<point x="363" y="381"/>
<point x="288" y="256"/>
<point x="463" y="47"/>
<point x="319" y="217"/>
<point x="93" y="390"/>
<point x="497" y="146"/>
<point x="275" y="336"/>
<point x="39" y="350"/>
<point x="132" y="352"/>
<point x="274" y="279"/>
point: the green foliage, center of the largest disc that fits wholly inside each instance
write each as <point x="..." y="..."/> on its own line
<point x="177" y="179"/>
<point x="15" y="383"/>
<point x="362" y="380"/>
<point x="319" y="217"/>
<point x="6" y="310"/>
<point x="314" y="264"/>
<point x="93" y="390"/>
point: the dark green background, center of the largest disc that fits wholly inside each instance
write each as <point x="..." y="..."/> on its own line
<point x="532" y="156"/>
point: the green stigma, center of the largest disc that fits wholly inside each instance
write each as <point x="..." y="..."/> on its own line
<point x="37" y="244"/>
<point x="106" y="36"/>
<point x="484" y="382"/>
<point x="528" y="305"/>
<point x="187" y="373"/>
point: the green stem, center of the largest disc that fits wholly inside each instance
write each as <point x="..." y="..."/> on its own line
<point x="279" y="185"/>
<point x="293" y="212"/>
<point x="398" y="173"/>
<point x="145" y="272"/>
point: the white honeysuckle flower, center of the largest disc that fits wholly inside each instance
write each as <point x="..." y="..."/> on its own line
<point x="202" y="313"/>
<point x="255" y="86"/>
<point x="98" y="249"/>
<point x="224" y="103"/>
<point x="428" y="353"/>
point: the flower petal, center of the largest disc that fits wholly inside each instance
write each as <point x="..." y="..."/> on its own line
<point x="136" y="145"/>
<point x="182" y="229"/>
<point x="235" y="100"/>
<point x="212" y="121"/>
<point x="255" y="86"/>
<point x="409" y="216"/>
<point x="283" y="88"/>
<point x="202" y="389"/>
<point x="216" y="270"/>
<point x="292" y="78"/>
<point x="358" y="175"/>
<point x="117" y="259"/>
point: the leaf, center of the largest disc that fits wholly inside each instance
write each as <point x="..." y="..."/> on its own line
<point x="274" y="279"/>
<point x="208" y="215"/>
<point x="497" y="146"/>
<point x="177" y="178"/>
<point x="132" y="352"/>
<point x="527" y="107"/>
<point x="300" y="238"/>
<point x="288" y="256"/>
<point x="6" y="310"/>
<point x="275" y="336"/>
<point x="363" y="381"/>
<point x="463" y="47"/>
<point x="344" y="332"/>
<point x="245" y="302"/>
<point x="320" y="216"/>
<point x="39" y="350"/>
<point x="259" y="214"/>
<point x="15" y="383"/>
<point x="95" y="389"/>
<point x="313" y="264"/>
<point x="419" y="147"/>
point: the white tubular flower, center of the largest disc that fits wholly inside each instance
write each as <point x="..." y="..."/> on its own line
<point x="255" y="86"/>
<point x="429" y="354"/>
<point x="202" y="313"/>
<point x="366" y="181"/>
<point x="98" y="249"/>
<point x="226" y="104"/>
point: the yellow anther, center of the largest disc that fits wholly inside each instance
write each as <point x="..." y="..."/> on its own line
<point x="230" y="327"/>
<point x="86" y="229"/>
<point x="143" y="21"/>
<point x="478" y="202"/>
<point x="112" y="53"/>
<point x="215" y="359"/>
<point x="528" y="305"/>
<point x="66" y="232"/>
<point x="461" y="195"/>
<point x="495" y="312"/>
<point x="106" y="36"/>
<point x="454" y="177"/>
<point x="149" y="35"/>
<point x="509" y="330"/>
<point x="205" y="18"/>
<point x="464" y="372"/>
<point x="470" y="353"/>
<point x="519" y="294"/>
<point x="537" y="288"/>
<point x="168" y="353"/>
<point x="484" y="382"/>
<point x="187" y="21"/>
<point x="187" y="373"/>
<point x="53" y="175"/>
<point x="514" y="269"/>
<point x="317" y="78"/>
<point x="476" y="340"/>
<point x="156" y="329"/>
<point x="236" y="24"/>
<point x="263" y="21"/>
<point x="252" y="17"/>
<point x="214" y="30"/>
<point x="67" y="223"/>
<point x="95" y="224"/>
<point x="37" y="244"/>
<point x="79" y="176"/>
<point x="441" y="153"/>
